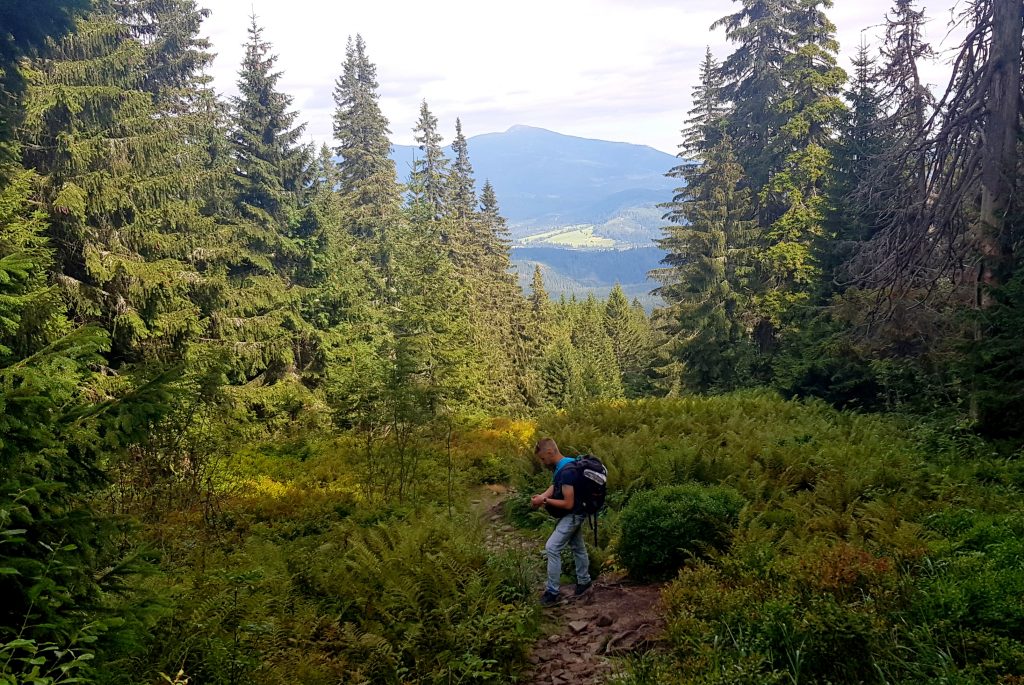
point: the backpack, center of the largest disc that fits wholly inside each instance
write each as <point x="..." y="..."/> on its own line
<point x="591" y="487"/>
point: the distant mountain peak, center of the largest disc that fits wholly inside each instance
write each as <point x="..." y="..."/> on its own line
<point x="545" y="180"/>
<point x="523" y="128"/>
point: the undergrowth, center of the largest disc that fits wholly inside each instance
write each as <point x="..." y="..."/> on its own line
<point x="870" y="549"/>
<point x="299" y="574"/>
<point x="847" y="549"/>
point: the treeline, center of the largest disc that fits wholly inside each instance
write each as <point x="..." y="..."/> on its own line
<point x="181" y="274"/>
<point x="854" y="238"/>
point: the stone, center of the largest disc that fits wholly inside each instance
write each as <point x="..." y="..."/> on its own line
<point x="624" y="643"/>
<point x="555" y="638"/>
<point x="605" y="620"/>
<point x="578" y="626"/>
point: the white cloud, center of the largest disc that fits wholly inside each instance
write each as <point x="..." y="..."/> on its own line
<point x="612" y="69"/>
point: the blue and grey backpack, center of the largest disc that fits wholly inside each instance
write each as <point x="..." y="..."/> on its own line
<point x="591" y="486"/>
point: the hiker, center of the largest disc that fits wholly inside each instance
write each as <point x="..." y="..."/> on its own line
<point x="560" y="502"/>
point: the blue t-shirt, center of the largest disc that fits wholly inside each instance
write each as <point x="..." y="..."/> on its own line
<point x="564" y="476"/>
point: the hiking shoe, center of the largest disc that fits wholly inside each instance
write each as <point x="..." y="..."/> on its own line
<point x="550" y="599"/>
<point x="582" y="589"/>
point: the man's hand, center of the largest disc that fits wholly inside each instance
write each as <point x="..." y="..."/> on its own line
<point x="537" y="501"/>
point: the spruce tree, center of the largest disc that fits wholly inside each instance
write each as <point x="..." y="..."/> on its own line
<point x="789" y="261"/>
<point x="270" y="162"/>
<point x="706" y="246"/>
<point x="463" y="188"/>
<point x="492" y="246"/>
<point x="469" y="230"/>
<point x="501" y="317"/>
<point x="897" y="176"/>
<point x="784" y="85"/>
<point x="177" y="55"/>
<point x="585" y="322"/>
<point x="630" y="334"/>
<point x="53" y="548"/>
<point x="336" y="299"/>
<point x="561" y="378"/>
<point x="535" y="323"/>
<point x="907" y="98"/>
<point x="361" y="373"/>
<point x="862" y="141"/>
<point x="124" y="216"/>
<point x="540" y="303"/>
<point x="27" y="26"/>
<point x="754" y="83"/>
<point x="261" y="313"/>
<point x="428" y="184"/>
<point x="366" y="171"/>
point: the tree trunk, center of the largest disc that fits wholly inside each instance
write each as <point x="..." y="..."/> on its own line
<point x="999" y="161"/>
<point x="999" y="155"/>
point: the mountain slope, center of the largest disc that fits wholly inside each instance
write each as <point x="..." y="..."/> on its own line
<point x="545" y="179"/>
<point x="562" y="194"/>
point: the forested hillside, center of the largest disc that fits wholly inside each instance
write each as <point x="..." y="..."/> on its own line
<point x="852" y="236"/>
<point x="546" y="179"/>
<point x="250" y="386"/>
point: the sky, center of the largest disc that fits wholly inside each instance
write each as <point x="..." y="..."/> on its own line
<point x="618" y="70"/>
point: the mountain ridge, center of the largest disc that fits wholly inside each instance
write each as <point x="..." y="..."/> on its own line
<point x="544" y="179"/>
<point x="586" y="211"/>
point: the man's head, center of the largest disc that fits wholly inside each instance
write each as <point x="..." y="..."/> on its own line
<point x="547" y="451"/>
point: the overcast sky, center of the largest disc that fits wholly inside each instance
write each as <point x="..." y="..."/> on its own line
<point x="612" y="69"/>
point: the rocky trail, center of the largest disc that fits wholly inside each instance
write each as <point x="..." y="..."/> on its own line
<point x="582" y="635"/>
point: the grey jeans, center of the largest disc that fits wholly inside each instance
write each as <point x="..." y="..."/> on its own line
<point x="568" y="530"/>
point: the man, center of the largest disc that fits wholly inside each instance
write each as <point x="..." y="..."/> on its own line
<point x="560" y="503"/>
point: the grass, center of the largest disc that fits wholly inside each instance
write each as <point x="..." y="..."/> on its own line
<point x="570" y="236"/>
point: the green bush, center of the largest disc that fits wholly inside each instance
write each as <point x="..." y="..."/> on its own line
<point x="661" y="528"/>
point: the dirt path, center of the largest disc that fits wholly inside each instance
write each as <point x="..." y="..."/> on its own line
<point x="581" y="635"/>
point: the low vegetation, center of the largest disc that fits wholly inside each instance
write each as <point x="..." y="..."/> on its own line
<point x="868" y="550"/>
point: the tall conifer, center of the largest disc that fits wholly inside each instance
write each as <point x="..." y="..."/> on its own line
<point x="463" y="187"/>
<point x="367" y="173"/>
<point x="862" y="141"/>
<point x="784" y="86"/>
<point x="706" y="247"/>
<point x="754" y="83"/>
<point x="428" y="184"/>
<point x="121" y="254"/>
<point x="270" y="162"/>
<point x="789" y="259"/>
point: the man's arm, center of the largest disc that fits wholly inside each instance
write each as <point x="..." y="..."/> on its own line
<point x="566" y="502"/>
<point x="538" y="500"/>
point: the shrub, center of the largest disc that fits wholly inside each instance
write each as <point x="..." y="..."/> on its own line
<point x="662" y="527"/>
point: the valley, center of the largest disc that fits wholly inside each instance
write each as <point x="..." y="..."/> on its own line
<point x="586" y="211"/>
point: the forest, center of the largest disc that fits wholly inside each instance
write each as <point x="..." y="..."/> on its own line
<point x="252" y="389"/>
